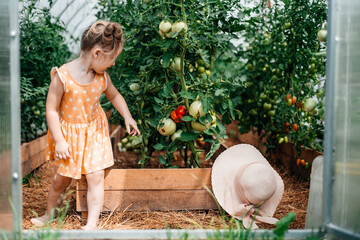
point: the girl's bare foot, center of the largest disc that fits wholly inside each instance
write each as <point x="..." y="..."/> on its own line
<point x="40" y="221"/>
<point x="88" y="227"/>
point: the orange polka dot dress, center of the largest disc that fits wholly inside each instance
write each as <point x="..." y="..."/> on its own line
<point x="84" y="126"/>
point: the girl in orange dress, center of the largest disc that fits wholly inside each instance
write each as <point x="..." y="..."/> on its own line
<point x="78" y="136"/>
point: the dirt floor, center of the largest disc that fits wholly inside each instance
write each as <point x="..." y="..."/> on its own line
<point x="294" y="199"/>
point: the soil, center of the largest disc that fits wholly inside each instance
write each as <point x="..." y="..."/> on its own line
<point x="294" y="199"/>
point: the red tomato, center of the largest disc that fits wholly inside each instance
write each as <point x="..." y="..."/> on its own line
<point x="299" y="104"/>
<point x="175" y="117"/>
<point x="303" y="162"/>
<point x="180" y="111"/>
<point x="286" y="125"/>
<point x="288" y="96"/>
<point x="298" y="161"/>
<point x="286" y="130"/>
<point x="293" y="100"/>
<point x="268" y="4"/>
<point x="295" y="127"/>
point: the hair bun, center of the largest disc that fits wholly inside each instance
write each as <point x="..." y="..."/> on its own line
<point x="113" y="30"/>
<point x="108" y="31"/>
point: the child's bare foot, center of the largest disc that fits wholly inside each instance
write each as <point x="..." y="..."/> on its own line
<point x="40" y="221"/>
<point x="88" y="227"/>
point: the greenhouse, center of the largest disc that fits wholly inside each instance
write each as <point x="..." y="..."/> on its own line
<point x="163" y="119"/>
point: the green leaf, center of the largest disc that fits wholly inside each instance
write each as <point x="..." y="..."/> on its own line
<point x="231" y="108"/>
<point x="220" y="91"/>
<point x="162" y="160"/>
<point x="215" y="146"/>
<point x="158" y="100"/>
<point x="166" y="59"/>
<point x="239" y="113"/>
<point x="188" y="95"/>
<point x="283" y="225"/>
<point x="286" y="2"/>
<point x="221" y="127"/>
<point x="188" y="136"/>
<point x="188" y="118"/>
<point x="159" y="146"/>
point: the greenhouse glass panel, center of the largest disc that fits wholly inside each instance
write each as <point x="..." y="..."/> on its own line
<point x="346" y="194"/>
<point x="5" y="120"/>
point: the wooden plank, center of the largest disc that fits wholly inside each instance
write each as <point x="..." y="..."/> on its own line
<point x="33" y="162"/>
<point x="33" y="155"/>
<point x="37" y="145"/>
<point x="153" y="179"/>
<point x="151" y="199"/>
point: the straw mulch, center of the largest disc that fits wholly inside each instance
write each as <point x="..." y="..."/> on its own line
<point x="294" y="199"/>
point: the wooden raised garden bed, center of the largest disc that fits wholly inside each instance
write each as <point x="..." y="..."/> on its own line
<point x="174" y="189"/>
<point x="154" y="189"/>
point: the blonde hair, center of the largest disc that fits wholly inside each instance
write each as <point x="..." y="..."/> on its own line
<point x="108" y="35"/>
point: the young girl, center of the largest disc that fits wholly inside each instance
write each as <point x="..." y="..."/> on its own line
<point x="78" y="136"/>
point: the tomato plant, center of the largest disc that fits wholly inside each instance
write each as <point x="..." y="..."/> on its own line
<point x="170" y="51"/>
<point x="284" y="66"/>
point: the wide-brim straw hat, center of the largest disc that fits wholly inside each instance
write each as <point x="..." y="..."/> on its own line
<point x="246" y="186"/>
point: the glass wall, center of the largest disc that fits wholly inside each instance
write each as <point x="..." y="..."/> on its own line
<point x="6" y="222"/>
<point x="346" y="191"/>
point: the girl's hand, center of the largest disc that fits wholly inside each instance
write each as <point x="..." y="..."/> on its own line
<point x="62" y="150"/>
<point x="131" y="123"/>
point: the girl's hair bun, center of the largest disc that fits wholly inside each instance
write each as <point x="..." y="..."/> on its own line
<point x="113" y="31"/>
<point x="108" y="35"/>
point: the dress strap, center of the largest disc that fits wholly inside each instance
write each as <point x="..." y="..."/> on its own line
<point x="55" y="70"/>
<point x="106" y="80"/>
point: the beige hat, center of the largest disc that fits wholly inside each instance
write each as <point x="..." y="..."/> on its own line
<point x="246" y="185"/>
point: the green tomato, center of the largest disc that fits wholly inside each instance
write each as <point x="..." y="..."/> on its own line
<point x="287" y="25"/>
<point x="196" y="109"/>
<point x="176" y="64"/>
<point x="201" y="69"/>
<point x="289" y="102"/>
<point x="271" y="113"/>
<point x="176" y="135"/>
<point x="168" y="128"/>
<point x="249" y="84"/>
<point x="253" y="112"/>
<point x="310" y="104"/>
<point x="198" y="126"/>
<point x="134" y="87"/>
<point x="263" y="96"/>
<point x="267" y="106"/>
<point x="165" y="26"/>
<point x="322" y="34"/>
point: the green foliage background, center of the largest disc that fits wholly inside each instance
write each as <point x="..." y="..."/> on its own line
<point x="42" y="46"/>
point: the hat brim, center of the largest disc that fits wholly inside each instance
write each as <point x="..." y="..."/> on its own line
<point x="223" y="179"/>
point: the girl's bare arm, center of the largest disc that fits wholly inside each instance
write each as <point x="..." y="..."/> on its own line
<point x="56" y="91"/>
<point x="119" y="103"/>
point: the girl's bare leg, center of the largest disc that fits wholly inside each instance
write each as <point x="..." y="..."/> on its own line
<point x="57" y="188"/>
<point x="95" y="198"/>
